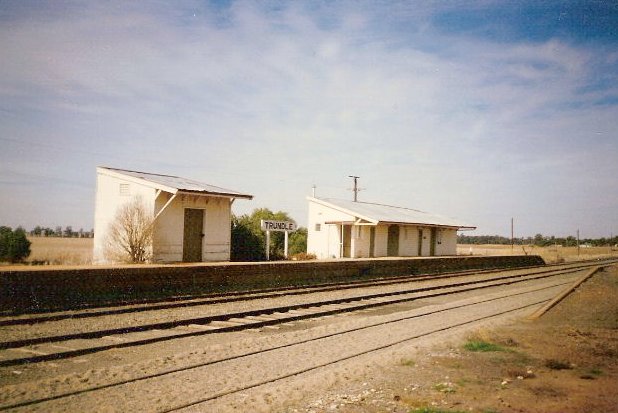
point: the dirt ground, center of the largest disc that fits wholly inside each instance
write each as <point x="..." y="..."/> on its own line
<point x="566" y="361"/>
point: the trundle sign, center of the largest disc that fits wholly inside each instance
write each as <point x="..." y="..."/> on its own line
<point x="278" y="226"/>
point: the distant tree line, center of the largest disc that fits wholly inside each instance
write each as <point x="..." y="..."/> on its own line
<point x="538" y="240"/>
<point x="67" y="232"/>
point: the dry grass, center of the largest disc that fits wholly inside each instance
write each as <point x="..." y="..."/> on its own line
<point x="78" y="251"/>
<point x="60" y="251"/>
<point x="550" y="254"/>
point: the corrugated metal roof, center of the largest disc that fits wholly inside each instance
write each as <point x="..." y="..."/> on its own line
<point x="379" y="213"/>
<point x="181" y="184"/>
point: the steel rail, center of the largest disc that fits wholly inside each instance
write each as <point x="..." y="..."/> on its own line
<point x="261" y="311"/>
<point x="352" y="356"/>
<point x="184" y="302"/>
<point x="255" y="323"/>
<point x="297" y="343"/>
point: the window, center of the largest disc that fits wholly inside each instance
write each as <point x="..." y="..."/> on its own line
<point x="125" y="190"/>
<point x="318" y="227"/>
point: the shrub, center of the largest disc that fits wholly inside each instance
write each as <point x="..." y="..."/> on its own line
<point x="14" y="246"/>
<point x="129" y="237"/>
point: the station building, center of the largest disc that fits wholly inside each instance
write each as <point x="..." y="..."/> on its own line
<point x="191" y="219"/>
<point x="349" y="229"/>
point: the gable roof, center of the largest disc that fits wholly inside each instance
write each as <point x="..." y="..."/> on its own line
<point x="173" y="184"/>
<point x="386" y="214"/>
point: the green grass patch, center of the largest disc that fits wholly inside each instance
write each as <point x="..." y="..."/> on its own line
<point x="482" y="346"/>
<point x="434" y="410"/>
<point x="445" y="387"/>
<point x="408" y="363"/>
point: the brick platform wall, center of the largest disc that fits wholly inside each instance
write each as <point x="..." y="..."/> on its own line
<point x="32" y="288"/>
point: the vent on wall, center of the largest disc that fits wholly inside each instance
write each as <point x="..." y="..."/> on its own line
<point x="125" y="190"/>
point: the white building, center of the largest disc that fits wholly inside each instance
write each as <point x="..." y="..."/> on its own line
<point x="191" y="219"/>
<point x="348" y="229"/>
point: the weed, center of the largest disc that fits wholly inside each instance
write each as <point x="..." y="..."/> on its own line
<point x="546" y="391"/>
<point x="434" y="410"/>
<point x="464" y="381"/>
<point x="482" y="346"/>
<point x="517" y="373"/>
<point x="591" y="374"/>
<point x="408" y="362"/>
<point x="510" y="342"/>
<point x="456" y="365"/>
<point x="557" y="364"/>
<point x="445" y="387"/>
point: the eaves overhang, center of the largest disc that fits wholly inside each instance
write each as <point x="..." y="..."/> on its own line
<point x="182" y="186"/>
<point x="215" y="194"/>
<point x="344" y="210"/>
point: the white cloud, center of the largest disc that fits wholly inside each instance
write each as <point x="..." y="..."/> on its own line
<point x="272" y="101"/>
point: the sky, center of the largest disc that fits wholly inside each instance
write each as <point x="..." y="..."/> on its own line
<point x="478" y="110"/>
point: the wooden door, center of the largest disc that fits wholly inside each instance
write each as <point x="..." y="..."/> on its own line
<point x="392" y="243"/>
<point x="347" y="241"/>
<point x="420" y="242"/>
<point x="372" y="242"/>
<point x="192" y="241"/>
<point x="434" y="240"/>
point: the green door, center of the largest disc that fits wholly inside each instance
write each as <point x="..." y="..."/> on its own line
<point x="372" y="242"/>
<point x="434" y="240"/>
<point x="347" y="241"/>
<point x="392" y="243"/>
<point x="192" y="241"/>
<point x="420" y="242"/>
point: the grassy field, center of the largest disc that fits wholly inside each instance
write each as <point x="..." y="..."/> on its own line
<point x="551" y="254"/>
<point x="78" y="251"/>
<point x="60" y="251"/>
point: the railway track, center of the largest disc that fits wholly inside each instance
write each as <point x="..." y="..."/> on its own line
<point x="66" y="345"/>
<point x="420" y="322"/>
<point x="39" y="316"/>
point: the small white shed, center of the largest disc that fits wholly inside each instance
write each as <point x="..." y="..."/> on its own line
<point x="348" y="229"/>
<point x="191" y="219"/>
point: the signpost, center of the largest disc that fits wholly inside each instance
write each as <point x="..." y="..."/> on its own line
<point x="278" y="226"/>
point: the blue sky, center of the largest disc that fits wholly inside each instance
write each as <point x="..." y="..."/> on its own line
<point x="478" y="110"/>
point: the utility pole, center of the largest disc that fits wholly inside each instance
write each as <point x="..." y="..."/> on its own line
<point x="512" y="239"/>
<point x="356" y="189"/>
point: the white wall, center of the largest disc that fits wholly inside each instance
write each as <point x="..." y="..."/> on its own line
<point x="448" y="245"/>
<point x="324" y="243"/>
<point x="108" y="199"/>
<point x="169" y="227"/>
